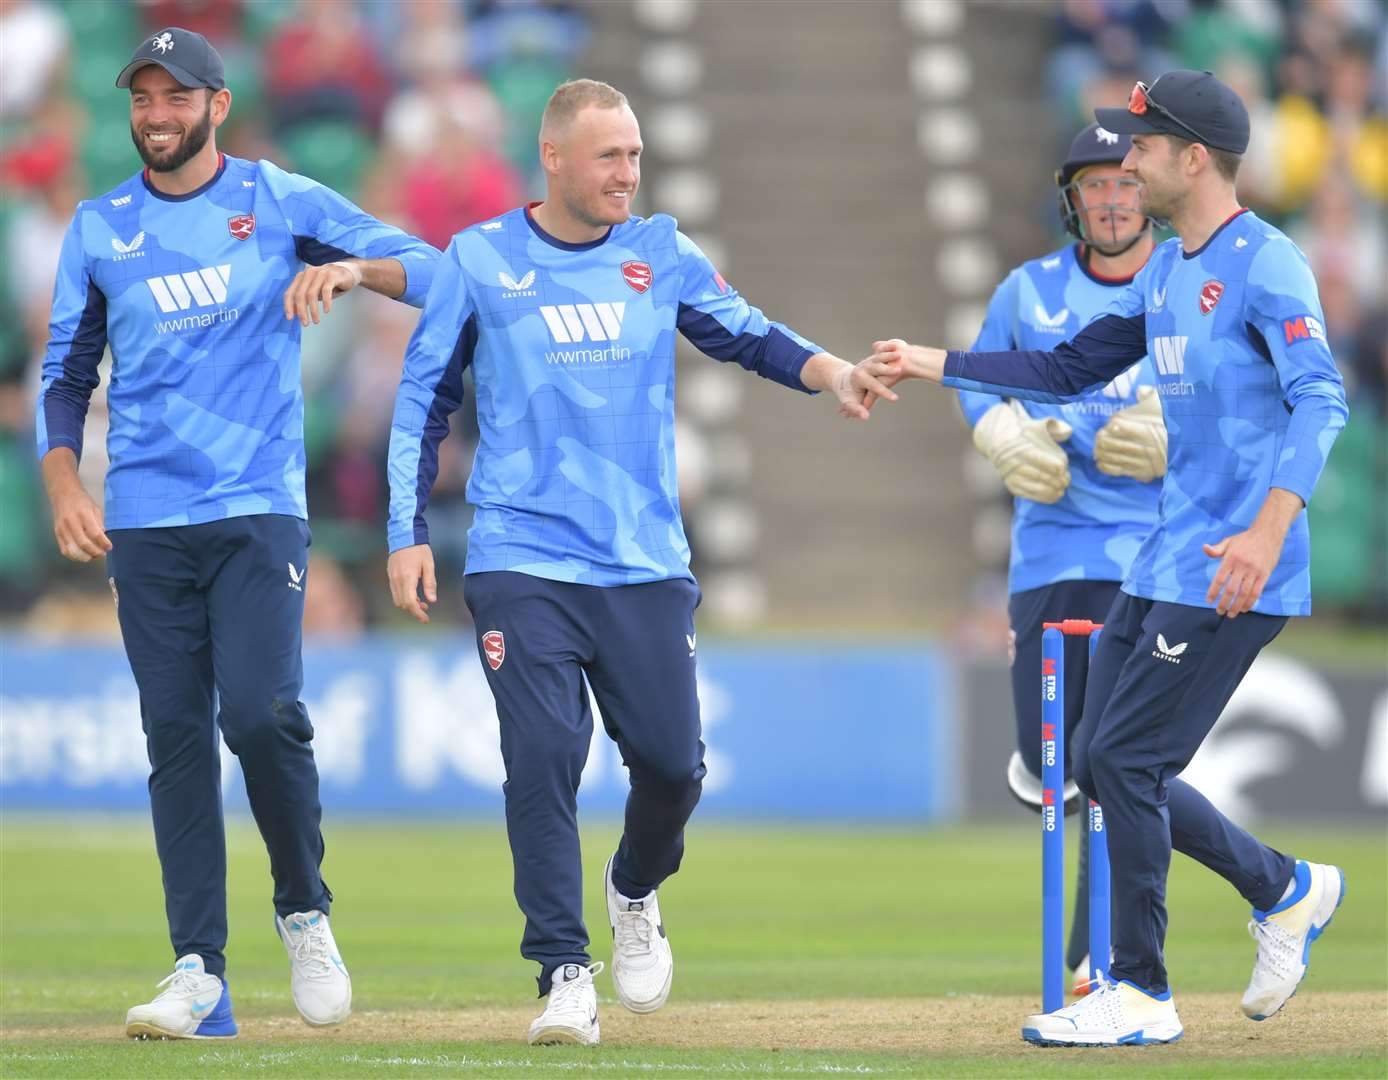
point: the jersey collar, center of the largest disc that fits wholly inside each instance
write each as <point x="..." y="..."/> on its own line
<point x="221" y="168"/>
<point x="1211" y="240"/>
<point x="554" y="241"/>
<point x="1081" y="260"/>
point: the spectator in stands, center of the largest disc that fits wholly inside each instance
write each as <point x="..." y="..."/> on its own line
<point x="33" y="53"/>
<point x="323" y="65"/>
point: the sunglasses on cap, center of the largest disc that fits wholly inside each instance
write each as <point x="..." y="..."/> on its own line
<point x="1140" y="101"/>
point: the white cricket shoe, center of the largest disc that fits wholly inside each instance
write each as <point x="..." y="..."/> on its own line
<point x="1284" y="935"/>
<point x="1113" y="1014"/>
<point x="192" y="1005"/>
<point x="642" y="964"/>
<point x="571" y="1013"/>
<point x="318" y="978"/>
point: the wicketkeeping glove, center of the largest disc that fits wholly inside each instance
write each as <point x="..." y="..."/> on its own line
<point x="1133" y="442"/>
<point x="1025" y="451"/>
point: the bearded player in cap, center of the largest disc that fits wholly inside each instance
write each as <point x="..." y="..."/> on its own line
<point x="1229" y="312"/>
<point x="198" y="272"/>
<point x="1085" y="475"/>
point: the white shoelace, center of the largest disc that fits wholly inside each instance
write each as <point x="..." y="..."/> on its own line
<point x="564" y="996"/>
<point x="181" y="983"/>
<point x="1277" y="949"/>
<point x="311" y="950"/>
<point x="635" y="933"/>
<point x="1104" y="1003"/>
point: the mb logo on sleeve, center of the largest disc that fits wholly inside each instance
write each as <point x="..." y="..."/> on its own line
<point x="1303" y="328"/>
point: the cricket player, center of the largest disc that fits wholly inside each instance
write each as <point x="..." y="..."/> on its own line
<point x="1229" y="312"/>
<point x="1085" y="474"/>
<point x="578" y="567"/>
<point x="198" y="272"/>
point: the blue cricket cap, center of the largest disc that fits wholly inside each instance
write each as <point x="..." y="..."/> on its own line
<point x="187" y="56"/>
<point x="1192" y="105"/>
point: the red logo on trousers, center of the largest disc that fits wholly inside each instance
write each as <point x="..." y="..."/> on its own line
<point x="494" y="648"/>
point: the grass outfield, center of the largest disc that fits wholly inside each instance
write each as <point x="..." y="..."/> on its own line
<point x="799" y="951"/>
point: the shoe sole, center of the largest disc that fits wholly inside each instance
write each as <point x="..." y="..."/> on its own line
<point x="150" y="1032"/>
<point x="563" y="1036"/>
<point x="1140" y="1037"/>
<point x="1315" y="932"/>
<point x="643" y="1007"/>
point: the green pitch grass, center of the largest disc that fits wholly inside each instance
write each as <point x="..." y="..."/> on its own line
<point x="798" y="950"/>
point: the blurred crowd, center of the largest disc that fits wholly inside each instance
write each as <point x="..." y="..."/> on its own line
<point x="426" y="113"/>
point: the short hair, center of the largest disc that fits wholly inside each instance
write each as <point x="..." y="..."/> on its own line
<point x="1226" y="162"/>
<point x="569" y="98"/>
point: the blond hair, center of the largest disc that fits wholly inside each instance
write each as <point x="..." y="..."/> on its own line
<point x="571" y="97"/>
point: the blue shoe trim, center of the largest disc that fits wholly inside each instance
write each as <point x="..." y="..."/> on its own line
<point x="1135" y="1038"/>
<point x="1302" y="876"/>
<point x="219" y="1022"/>
<point x="1317" y="931"/>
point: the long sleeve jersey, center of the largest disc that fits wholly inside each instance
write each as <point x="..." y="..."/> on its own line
<point x="572" y="347"/>
<point x="206" y="406"/>
<point x="1251" y="394"/>
<point x="1093" y="532"/>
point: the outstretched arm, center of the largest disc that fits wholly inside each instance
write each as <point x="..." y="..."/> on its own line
<point x="720" y="323"/>
<point x="1103" y="349"/>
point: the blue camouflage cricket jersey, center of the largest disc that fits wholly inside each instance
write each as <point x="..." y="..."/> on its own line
<point x="1092" y="533"/>
<point x="206" y="407"/>
<point x="1251" y="394"/>
<point x="572" y="347"/>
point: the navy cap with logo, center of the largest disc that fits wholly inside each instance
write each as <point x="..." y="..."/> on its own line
<point x="185" y="55"/>
<point x="1191" y="105"/>
<point x="1095" y="145"/>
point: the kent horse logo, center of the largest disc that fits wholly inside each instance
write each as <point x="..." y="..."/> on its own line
<point x="637" y="275"/>
<point x="241" y="226"/>
<point x="494" y="648"/>
<point x="1210" y="293"/>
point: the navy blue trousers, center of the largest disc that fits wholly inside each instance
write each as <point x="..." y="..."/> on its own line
<point x="211" y="616"/>
<point x="635" y="644"/>
<point x="1160" y="679"/>
<point x="1027" y="611"/>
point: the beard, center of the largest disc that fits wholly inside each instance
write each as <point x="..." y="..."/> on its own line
<point x="1160" y="205"/>
<point x="580" y="210"/>
<point x="193" y="140"/>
